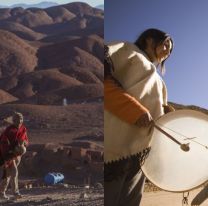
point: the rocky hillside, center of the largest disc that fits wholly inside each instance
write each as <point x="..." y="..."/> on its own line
<point x="51" y="51"/>
<point x="51" y="70"/>
<point x="191" y="107"/>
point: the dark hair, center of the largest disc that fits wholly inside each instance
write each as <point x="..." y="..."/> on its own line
<point x="158" y="37"/>
<point x="108" y="64"/>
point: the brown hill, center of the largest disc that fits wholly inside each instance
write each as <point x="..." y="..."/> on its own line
<point x="6" y="97"/>
<point x="82" y="92"/>
<point x="16" y="56"/>
<point x="93" y="44"/>
<point x="95" y="25"/>
<point x="59" y="14"/>
<point x="83" y="74"/>
<point x="57" y="28"/>
<point x="53" y="56"/>
<point x="35" y="17"/>
<point x="8" y="83"/>
<point x="72" y="95"/>
<point x="56" y="37"/>
<point x="76" y="15"/>
<point x="87" y="25"/>
<point x="76" y="26"/>
<point x="59" y="38"/>
<point x="68" y="44"/>
<point x="20" y="30"/>
<point x="192" y="107"/>
<point x="82" y="9"/>
<point x="4" y="13"/>
<point x="16" y="11"/>
<point x="42" y="82"/>
<point x="31" y="18"/>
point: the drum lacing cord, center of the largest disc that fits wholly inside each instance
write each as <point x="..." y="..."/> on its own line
<point x="186" y="138"/>
<point x="185" y="199"/>
<point x="143" y="155"/>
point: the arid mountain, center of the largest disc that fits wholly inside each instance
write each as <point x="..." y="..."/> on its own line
<point x="5" y="97"/>
<point x="44" y="51"/>
<point x="60" y="14"/>
<point x="191" y="107"/>
<point x="21" y="31"/>
<point x="51" y="70"/>
<point x="16" y="55"/>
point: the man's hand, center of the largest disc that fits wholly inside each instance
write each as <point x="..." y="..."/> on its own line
<point x="168" y="108"/>
<point x="145" y="120"/>
<point x="22" y="142"/>
<point x="20" y="149"/>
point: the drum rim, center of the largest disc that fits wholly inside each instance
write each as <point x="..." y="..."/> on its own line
<point x="164" y="116"/>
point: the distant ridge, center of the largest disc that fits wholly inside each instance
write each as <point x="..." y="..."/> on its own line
<point x="42" y="5"/>
<point x="100" y="6"/>
<point x="191" y="107"/>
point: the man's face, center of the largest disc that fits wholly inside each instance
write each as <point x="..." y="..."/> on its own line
<point x="17" y="120"/>
<point x="163" y="50"/>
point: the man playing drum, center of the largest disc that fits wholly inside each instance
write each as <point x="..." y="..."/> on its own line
<point x="135" y="95"/>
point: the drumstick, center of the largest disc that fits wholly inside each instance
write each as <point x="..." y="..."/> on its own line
<point x="184" y="147"/>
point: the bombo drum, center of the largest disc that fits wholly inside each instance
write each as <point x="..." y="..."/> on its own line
<point x="168" y="166"/>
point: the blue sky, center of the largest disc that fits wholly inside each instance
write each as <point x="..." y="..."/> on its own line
<point x="90" y="2"/>
<point x="186" y="21"/>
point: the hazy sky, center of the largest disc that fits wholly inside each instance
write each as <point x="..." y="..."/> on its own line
<point x="186" y="21"/>
<point x="90" y="2"/>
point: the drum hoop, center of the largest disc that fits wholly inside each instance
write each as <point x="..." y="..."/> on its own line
<point x="178" y="191"/>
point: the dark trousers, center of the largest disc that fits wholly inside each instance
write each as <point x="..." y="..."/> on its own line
<point x="124" y="183"/>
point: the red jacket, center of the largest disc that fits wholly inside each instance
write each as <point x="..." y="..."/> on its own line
<point x="11" y="137"/>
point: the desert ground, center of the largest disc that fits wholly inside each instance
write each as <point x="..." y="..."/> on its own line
<point x="155" y="197"/>
<point x="59" y="195"/>
<point x="55" y="147"/>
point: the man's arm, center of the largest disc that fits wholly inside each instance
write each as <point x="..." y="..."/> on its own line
<point x="23" y="138"/>
<point x="20" y="148"/>
<point x="123" y="105"/>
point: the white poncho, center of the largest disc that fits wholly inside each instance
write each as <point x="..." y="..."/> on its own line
<point x="138" y="76"/>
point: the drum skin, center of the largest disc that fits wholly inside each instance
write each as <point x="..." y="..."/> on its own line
<point x="168" y="166"/>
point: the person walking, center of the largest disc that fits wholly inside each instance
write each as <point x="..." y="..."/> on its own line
<point x="13" y="143"/>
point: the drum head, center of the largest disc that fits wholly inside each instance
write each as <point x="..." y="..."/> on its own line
<point x="168" y="166"/>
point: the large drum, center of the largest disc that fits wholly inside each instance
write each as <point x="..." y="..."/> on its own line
<point x="168" y="166"/>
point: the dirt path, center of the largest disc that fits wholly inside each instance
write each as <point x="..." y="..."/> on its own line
<point x="59" y="196"/>
<point x="161" y="198"/>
